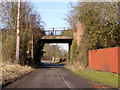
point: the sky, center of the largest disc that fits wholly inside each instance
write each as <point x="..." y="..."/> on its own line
<point x="53" y="14"/>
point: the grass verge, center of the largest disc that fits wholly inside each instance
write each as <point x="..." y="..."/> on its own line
<point x="105" y="78"/>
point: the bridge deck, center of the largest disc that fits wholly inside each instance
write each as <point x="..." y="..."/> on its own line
<point x="57" y="37"/>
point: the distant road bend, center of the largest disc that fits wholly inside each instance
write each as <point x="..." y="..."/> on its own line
<point x="51" y="76"/>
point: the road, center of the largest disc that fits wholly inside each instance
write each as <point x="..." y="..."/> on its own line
<point x="51" y="76"/>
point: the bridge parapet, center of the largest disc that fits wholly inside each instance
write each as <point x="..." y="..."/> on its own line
<point x="66" y="31"/>
<point x="57" y="33"/>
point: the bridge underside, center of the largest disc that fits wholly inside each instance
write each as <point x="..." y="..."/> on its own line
<point x="69" y="41"/>
<point x="57" y="39"/>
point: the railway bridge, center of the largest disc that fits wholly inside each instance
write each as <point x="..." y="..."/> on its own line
<point x="58" y="35"/>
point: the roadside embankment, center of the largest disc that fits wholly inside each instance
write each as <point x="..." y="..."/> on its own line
<point x="104" y="78"/>
<point x="11" y="72"/>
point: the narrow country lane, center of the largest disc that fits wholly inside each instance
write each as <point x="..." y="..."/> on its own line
<point x="51" y="76"/>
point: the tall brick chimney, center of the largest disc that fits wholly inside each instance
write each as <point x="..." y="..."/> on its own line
<point x="79" y="32"/>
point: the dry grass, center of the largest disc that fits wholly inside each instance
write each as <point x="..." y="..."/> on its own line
<point x="11" y="72"/>
<point x="74" y="67"/>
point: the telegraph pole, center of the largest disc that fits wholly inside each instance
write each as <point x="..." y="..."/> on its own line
<point x="18" y="37"/>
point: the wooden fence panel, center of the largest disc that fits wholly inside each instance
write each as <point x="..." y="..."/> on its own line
<point x="105" y="59"/>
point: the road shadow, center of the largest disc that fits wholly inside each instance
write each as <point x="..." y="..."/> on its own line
<point x="51" y="65"/>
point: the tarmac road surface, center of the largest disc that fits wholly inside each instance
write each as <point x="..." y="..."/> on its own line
<point x="51" y="76"/>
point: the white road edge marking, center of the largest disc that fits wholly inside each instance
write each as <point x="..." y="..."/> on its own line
<point x="66" y="82"/>
<point x="63" y="79"/>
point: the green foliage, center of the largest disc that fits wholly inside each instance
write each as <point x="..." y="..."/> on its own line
<point x="8" y="46"/>
<point x="101" y="26"/>
<point x="67" y="32"/>
<point x="74" y="56"/>
<point x="69" y="55"/>
<point x="83" y="48"/>
<point x="30" y="28"/>
<point x="52" y="50"/>
<point x="38" y="52"/>
<point x="101" y="22"/>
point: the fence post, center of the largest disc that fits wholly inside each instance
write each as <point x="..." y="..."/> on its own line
<point x="53" y="31"/>
<point x="63" y="31"/>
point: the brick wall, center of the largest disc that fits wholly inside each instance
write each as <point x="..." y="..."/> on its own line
<point x="105" y="59"/>
<point x="79" y="32"/>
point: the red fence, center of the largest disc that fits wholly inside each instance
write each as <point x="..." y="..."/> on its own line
<point x="105" y="59"/>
